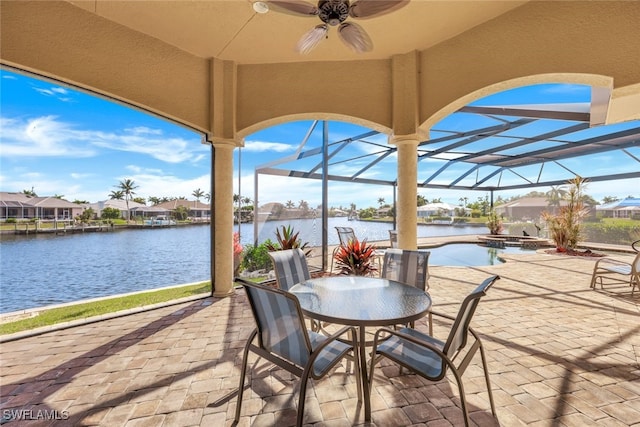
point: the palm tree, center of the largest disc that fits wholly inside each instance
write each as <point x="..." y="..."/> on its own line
<point x="154" y="200"/>
<point x="381" y="201"/>
<point x="290" y="204"/>
<point x="116" y="195"/>
<point x="463" y="200"/>
<point x="30" y="192"/>
<point x="127" y="186"/>
<point x="197" y="193"/>
<point x="555" y="195"/>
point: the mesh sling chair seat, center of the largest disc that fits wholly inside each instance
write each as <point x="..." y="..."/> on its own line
<point x="283" y="340"/>
<point x="429" y="357"/>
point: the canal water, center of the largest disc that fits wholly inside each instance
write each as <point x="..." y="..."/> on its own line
<point x="46" y="269"/>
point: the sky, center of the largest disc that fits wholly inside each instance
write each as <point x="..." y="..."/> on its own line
<point x="60" y="141"/>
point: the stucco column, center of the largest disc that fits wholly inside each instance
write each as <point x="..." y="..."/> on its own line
<point x="222" y="232"/>
<point x="406" y="209"/>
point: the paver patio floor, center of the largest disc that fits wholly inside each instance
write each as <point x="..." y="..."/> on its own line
<point x="559" y="353"/>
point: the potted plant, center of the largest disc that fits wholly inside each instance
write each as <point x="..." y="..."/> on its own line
<point x="354" y="258"/>
<point x="288" y="239"/>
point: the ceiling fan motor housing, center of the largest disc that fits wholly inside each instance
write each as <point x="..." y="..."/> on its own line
<point x="333" y="12"/>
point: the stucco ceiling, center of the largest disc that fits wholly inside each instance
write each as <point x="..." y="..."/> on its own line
<point x="232" y="30"/>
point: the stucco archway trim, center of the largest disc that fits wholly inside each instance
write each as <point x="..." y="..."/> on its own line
<point x="602" y="85"/>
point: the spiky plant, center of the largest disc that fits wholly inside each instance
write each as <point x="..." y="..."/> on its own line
<point x="288" y="239"/>
<point x="354" y="258"/>
<point x="494" y="223"/>
<point x="566" y="226"/>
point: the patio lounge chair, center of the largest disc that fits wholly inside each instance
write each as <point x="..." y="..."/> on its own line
<point x="431" y="358"/>
<point x="617" y="271"/>
<point x="283" y="340"/>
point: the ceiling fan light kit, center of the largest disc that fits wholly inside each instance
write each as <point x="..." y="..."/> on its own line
<point x="334" y="13"/>
<point x="260" y="7"/>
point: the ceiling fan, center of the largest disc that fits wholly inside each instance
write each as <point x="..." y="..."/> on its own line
<point x="335" y="13"/>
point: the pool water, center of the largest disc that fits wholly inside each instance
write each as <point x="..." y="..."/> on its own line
<point x="470" y="255"/>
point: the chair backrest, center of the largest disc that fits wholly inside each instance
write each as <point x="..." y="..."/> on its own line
<point x="410" y="267"/>
<point x="280" y="323"/>
<point x="290" y="267"/>
<point x="393" y="238"/>
<point x="458" y="335"/>
<point x="345" y="234"/>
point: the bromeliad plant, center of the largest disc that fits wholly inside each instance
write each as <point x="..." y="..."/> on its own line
<point x="354" y="258"/>
<point x="288" y="240"/>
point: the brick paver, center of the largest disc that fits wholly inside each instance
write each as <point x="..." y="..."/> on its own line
<point x="559" y="354"/>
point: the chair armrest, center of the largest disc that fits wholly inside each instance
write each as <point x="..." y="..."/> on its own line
<point x="611" y="261"/>
<point x="339" y="333"/>
<point x="409" y="338"/>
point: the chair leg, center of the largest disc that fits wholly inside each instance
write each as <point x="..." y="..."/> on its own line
<point x="245" y="357"/>
<point x="486" y="377"/>
<point x="302" y="395"/>
<point x="463" y="400"/>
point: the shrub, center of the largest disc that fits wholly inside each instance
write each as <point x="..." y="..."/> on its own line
<point x="110" y="213"/>
<point x="11" y="221"/>
<point x="256" y="257"/>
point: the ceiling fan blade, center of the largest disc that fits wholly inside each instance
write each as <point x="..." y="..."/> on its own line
<point x="311" y="39"/>
<point x="294" y="7"/>
<point x="372" y="8"/>
<point x="354" y="36"/>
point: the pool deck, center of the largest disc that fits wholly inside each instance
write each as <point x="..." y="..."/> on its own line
<point x="559" y="354"/>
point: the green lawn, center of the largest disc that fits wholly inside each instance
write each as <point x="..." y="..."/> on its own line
<point x="109" y="305"/>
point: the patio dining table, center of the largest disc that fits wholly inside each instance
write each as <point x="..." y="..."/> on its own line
<point x="362" y="302"/>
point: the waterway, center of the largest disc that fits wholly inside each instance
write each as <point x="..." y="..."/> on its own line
<point x="40" y="270"/>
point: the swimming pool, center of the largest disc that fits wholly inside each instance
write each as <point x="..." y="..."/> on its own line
<point x="470" y="254"/>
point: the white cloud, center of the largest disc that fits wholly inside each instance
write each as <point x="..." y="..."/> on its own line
<point x="47" y="136"/>
<point x="262" y="146"/>
<point x="41" y="137"/>
<point x="143" y="130"/>
<point x="56" y="92"/>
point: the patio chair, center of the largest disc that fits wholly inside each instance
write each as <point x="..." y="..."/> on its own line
<point x="345" y="234"/>
<point x="290" y="267"/>
<point x="617" y="271"/>
<point x="409" y="267"/>
<point x="429" y="357"/>
<point x="393" y="238"/>
<point x="283" y="340"/>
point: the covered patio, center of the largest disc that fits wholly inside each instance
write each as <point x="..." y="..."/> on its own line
<point x="226" y="69"/>
<point x="559" y="354"/>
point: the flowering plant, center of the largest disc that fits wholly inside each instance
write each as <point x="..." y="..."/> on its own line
<point x="237" y="247"/>
<point x="237" y="253"/>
